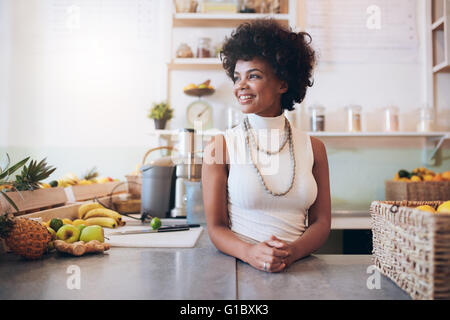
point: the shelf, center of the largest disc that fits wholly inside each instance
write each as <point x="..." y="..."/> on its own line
<point x="380" y="134"/>
<point x="222" y="20"/>
<point x="195" y="63"/>
<point x="439" y="24"/>
<point x="442" y="67"/>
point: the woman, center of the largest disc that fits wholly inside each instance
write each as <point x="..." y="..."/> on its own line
<point x="267" y="216"/>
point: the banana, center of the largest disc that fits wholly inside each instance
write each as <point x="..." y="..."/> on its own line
<point x="103" y="212"/>
<point x="67" y="221"/>
<point x="84" y="208"/>
<point x="102" y="221"/>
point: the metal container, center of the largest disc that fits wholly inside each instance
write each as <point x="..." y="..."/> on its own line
<point x="158" y="190"/>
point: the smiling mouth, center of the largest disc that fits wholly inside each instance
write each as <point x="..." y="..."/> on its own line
<point x="243" y="99"/>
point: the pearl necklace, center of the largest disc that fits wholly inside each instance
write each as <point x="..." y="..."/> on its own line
<point x="288" y="135"/>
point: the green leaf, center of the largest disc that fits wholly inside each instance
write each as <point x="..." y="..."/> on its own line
<point x="9" y="200"/>
<point x="13" y="168"/>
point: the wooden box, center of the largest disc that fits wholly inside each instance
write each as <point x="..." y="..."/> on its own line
<point x="417" y="191"/>
<point x="96" y="190"/>
<point x="36" y="200"/>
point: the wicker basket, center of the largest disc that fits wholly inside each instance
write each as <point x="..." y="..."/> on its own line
<point x="417" y="191"/>
<point x="412" y="247"/>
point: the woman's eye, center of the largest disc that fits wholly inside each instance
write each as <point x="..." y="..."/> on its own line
<point x="254" y="76"/>
<point x="235" y="79"/>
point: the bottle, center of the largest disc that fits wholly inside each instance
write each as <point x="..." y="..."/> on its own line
<point x="354" y="118"/>
<point x="317" y="118"/>
<point x="204" y="48"/>
<point x="390" y="123"/>
<point x="426" y="119"/>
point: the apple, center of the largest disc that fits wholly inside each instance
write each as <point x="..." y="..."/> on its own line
<point x="81" y="227"/>
<point x="68" y="233"/>
<point x="94" y="232"/>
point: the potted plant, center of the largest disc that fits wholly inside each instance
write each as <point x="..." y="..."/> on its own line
<point x="160" y="113"/>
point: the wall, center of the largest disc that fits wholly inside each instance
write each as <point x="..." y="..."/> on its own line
<point x="80" y="99"/>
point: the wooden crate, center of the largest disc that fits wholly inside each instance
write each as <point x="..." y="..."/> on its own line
<point x="417" y="191"/>
<point x="96" y="190"/>
<point x="31" y="201"/>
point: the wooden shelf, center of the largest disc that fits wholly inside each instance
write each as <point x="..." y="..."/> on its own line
<point x="222" y="20"/>
<point x="439" y="24"/>
<point x="195" y="63"/>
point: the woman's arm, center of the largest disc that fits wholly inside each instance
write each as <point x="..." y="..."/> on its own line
<point x="319" y="214"/>
<point x="214" y="185"/>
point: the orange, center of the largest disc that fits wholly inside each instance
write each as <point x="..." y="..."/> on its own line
<point x="438" y="177"/>
<point x="446" y="175"/>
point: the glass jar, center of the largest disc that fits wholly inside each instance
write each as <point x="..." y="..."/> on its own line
<point x="317" y="118"/>
<point x="184" y="51"/>
<point x="390" y="123"/>
<point x="353" y="118"/>
<point x="426" y="119"/>
<point x="204" y="48"/>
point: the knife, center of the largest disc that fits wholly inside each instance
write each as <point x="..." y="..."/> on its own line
<point x="171" y="229"/>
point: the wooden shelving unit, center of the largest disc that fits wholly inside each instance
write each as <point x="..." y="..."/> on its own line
<point x="439" y="10"/>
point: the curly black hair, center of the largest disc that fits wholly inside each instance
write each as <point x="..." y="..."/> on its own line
<point x="289" y="53"/>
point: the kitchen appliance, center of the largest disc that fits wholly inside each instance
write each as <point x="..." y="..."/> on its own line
<point x="163" y="192"/>
<point x="157" y="193"/>
<point x="189" y="169"/>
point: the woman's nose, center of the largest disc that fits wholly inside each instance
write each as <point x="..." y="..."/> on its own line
<point x="241" y="84"/>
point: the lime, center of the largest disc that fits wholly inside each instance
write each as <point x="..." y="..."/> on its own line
<point x="155" y="223"/>
<point x="56" y="223"/>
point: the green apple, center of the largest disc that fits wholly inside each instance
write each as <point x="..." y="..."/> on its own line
<point x="92" y="233"/>
<point x="68" y="233"/>
<point x="81" y="227"/>
<point x="202" y="86"/>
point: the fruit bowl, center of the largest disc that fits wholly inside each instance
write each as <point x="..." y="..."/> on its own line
<point x="199" y="92"/>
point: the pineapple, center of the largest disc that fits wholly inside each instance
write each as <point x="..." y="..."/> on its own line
<point x="5" y="172"/>
<point x="32" y="174"/>
<point x="91" y="174"/>
<point x="24" y="237"/>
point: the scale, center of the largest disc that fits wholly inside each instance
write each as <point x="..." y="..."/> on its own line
<point x="199" y="112"/>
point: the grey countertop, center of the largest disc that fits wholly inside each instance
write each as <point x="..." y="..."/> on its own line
<point x="199" y="273"/>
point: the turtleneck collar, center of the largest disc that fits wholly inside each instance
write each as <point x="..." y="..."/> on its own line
<point x="258" y="122"/>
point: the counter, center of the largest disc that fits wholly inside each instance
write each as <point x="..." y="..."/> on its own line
<point x="199" y="273"/>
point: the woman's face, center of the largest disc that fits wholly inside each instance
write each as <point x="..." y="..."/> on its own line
<point x="257" y="88"/>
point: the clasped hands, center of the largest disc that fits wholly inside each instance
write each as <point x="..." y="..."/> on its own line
<point x="272" y="255"/>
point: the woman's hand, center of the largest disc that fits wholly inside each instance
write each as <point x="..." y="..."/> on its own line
<point x="274" y="242"/>
<point x="268" y="258"/>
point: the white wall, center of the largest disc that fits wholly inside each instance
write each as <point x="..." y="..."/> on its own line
<point x="80" y="96"/>
<point x="4" y="71"/>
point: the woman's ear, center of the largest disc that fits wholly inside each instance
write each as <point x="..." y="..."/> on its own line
<point x="284" y="87"/>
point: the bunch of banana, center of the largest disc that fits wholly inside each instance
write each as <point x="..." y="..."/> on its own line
<point x="96" y="214"/>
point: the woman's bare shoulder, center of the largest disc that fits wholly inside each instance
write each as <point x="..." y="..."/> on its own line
<point x="319" y="150"/>
<point x="215" y="151"/>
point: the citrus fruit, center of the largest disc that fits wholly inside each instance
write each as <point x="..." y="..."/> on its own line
<point x="155" y="223"/>
<point x="444" y="208"/>
<point x="426" y="208"/>
<point x="56" y="223"/>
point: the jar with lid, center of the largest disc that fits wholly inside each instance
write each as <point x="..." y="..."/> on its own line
<point x="317" y="118"/>
<point x="354" y="118"/>
<point x="184" y="51"/>
<point x="390" y="123"/>
<point x="204" y="48"/>
<point x="426" y="119"/>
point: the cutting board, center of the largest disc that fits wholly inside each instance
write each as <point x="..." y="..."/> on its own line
<point x="178" y="239"/>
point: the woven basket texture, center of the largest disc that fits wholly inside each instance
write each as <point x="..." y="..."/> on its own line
<point x="412" y="247"/>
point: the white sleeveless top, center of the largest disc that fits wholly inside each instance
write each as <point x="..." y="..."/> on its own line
<point x="253" y="212"/>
